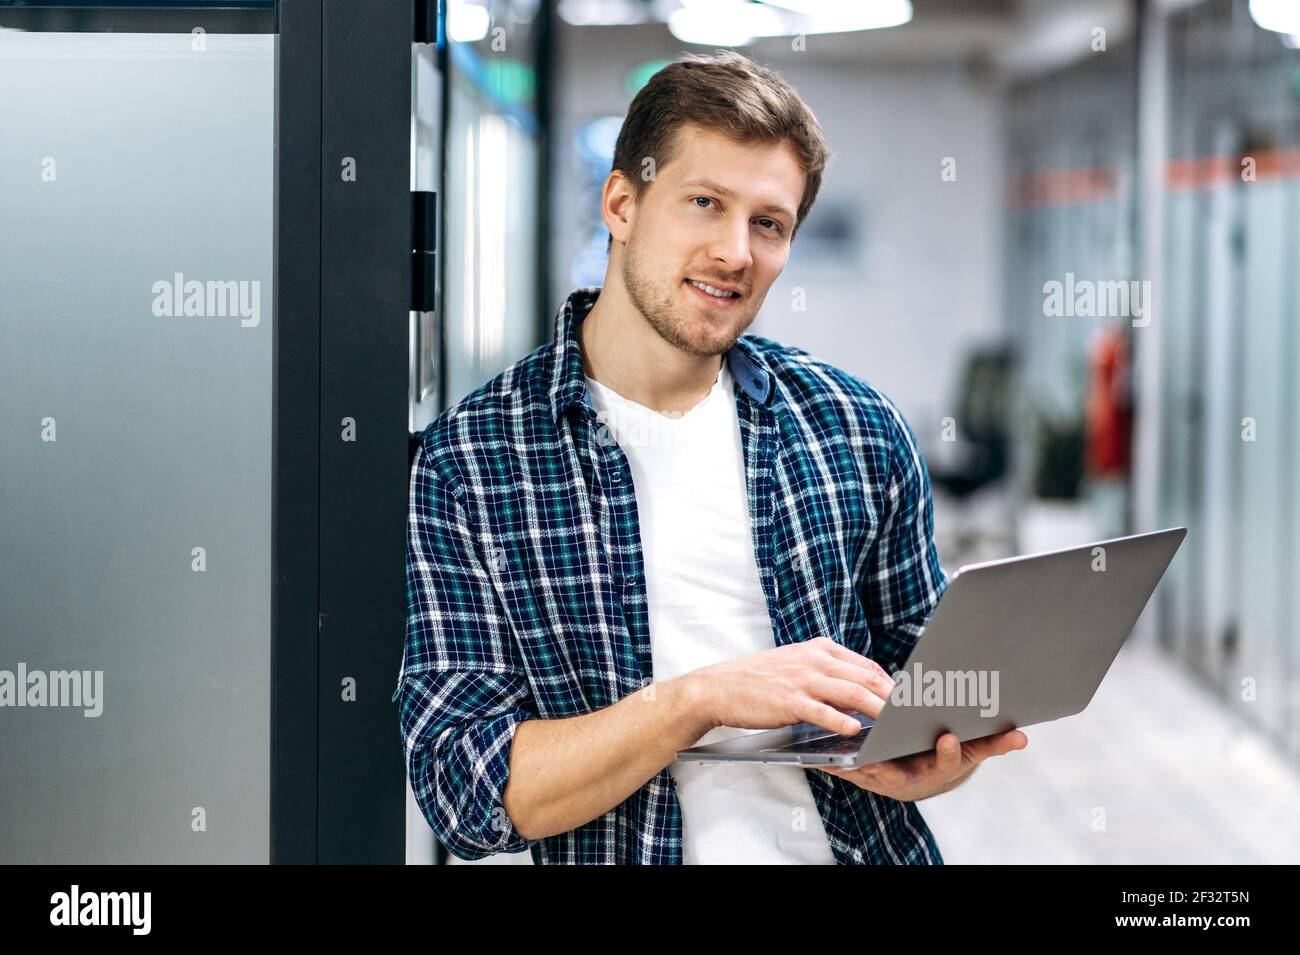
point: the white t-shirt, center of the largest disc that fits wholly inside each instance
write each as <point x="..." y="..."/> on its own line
<point x="706" y="605"/>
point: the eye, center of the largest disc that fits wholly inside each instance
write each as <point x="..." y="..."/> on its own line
<point x="775" y="227"/>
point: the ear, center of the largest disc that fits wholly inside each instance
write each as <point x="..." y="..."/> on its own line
<point x="618" y="206"/>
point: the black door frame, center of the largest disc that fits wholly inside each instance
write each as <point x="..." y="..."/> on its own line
<point x="343" y="289"/>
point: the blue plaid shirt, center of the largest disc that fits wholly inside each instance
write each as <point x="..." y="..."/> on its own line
<point x="526" y="588"/>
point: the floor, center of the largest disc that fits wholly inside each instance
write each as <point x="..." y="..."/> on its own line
<point x="1153" y="771"/>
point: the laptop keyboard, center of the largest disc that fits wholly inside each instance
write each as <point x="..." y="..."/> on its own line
<point x="832" y="745"/>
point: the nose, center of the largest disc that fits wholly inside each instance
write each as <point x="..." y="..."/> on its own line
<point x="729" y="250"/>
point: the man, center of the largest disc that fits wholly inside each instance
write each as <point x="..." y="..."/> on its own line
<point x="654" y="531"/>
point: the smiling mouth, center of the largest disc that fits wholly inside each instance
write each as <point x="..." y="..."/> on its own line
<point x="712" y="292"/>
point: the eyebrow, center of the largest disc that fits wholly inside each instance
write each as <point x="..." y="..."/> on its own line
<point x="724" y="191"/>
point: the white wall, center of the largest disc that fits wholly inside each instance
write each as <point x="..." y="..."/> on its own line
<point x="929" y="276"/>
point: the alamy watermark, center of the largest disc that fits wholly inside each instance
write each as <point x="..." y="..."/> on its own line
<point x="1088" y="299"/>
<point x="919" y="687"/>
<point x="212" y="299"/>
<point x="639" y="430"/>
<point x="83" y="689"/>
<point x="102" y="908"/>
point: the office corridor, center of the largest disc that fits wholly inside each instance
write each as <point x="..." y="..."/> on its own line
<point x="1155" y="770"/>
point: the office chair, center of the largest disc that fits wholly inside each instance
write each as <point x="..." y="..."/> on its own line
<point x="980" y="458"/>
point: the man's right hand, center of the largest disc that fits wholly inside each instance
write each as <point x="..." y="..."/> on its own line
<point x="814" y="681"/>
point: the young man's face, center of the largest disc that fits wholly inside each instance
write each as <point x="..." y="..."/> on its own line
<point x="720" y="212"/>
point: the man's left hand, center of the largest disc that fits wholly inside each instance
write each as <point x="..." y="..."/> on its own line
<point x="928" y="774"/>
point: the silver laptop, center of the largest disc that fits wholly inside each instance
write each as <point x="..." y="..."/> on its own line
<point x="1012" y="643"/>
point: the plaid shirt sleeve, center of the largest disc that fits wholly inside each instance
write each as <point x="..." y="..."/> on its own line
<point x="462" y="689"/>
<point x="904" y="580"/>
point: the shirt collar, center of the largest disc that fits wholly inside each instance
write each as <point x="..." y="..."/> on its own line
<point x="568" y="385"/>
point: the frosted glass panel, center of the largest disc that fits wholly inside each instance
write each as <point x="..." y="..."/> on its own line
<point x="136" y="188"/>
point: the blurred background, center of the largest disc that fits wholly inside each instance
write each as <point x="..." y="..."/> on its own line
<point x="984" y="150"/>
<point x="1062" y="235"/>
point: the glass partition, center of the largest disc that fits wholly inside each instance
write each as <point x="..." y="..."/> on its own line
<point x="135" y="445"/>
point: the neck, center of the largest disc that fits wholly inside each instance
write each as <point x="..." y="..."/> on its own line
<point x="623" y="352"/>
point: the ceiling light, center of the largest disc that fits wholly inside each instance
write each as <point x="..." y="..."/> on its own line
<point x="842" y="16"/>
<point x="601" y="13"/>
<point x="1280" y="16"/>
<point x="724" y="22"/>
<point x="467" y="22"/>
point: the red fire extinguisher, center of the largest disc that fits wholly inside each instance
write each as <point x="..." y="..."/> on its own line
<point x="1110" y="405"/>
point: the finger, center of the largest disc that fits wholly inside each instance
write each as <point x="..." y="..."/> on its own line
<point x="844" y="653"/>
<point x="996" y="745"/>
<point x="846" y="693"/>
<point x="1006" y="742"/>
<point x="947" y="755"/>
<point x="877" y="681"/>
<point x="828" y="717"/>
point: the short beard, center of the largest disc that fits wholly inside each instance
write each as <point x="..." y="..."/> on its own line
<point x="655" y="303"/>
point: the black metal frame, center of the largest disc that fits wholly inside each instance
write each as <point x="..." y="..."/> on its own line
<point x="545" y="106"/>
<point x="295" y="430"/>
<point x="343" y="296"/>
<point x="365" y="296"/>
<point x="138" y="16"/>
